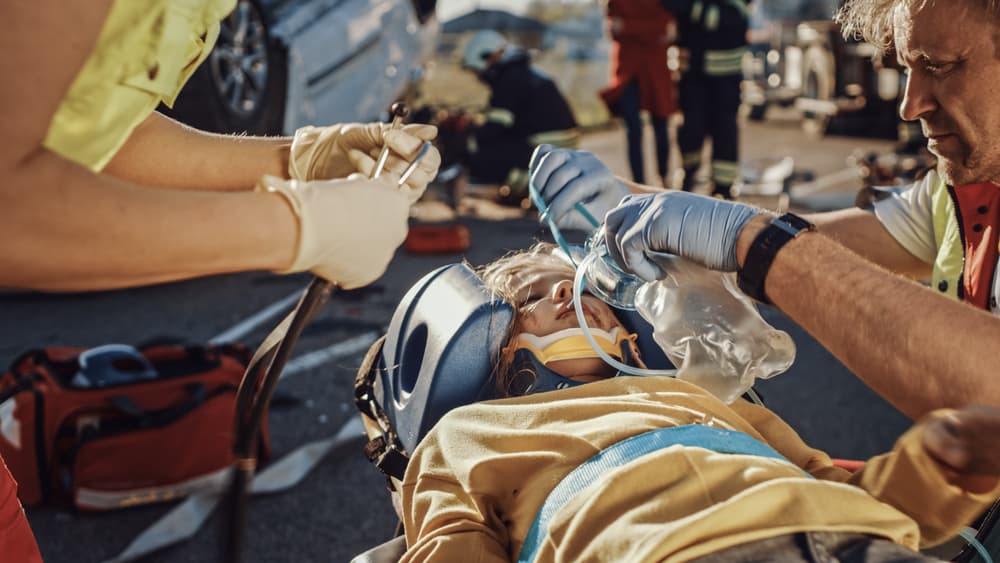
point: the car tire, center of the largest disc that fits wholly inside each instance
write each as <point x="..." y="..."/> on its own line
<point x="819" y="82"/>
<point x="240" y="87"/>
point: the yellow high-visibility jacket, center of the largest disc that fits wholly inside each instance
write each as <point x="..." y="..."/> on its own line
<point x="145" y="53"/>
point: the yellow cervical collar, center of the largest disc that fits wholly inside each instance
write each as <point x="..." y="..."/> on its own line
<point x="570" y="344"/>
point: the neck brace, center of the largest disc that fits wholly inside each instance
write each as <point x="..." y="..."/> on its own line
<point x="570" y="343"/>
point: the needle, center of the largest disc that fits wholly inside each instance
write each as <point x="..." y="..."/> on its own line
<point x="399" y="112"/>
<point x="413" y="165"/>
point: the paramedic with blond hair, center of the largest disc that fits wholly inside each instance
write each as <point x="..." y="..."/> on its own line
<point x="98" y="191"/>
<point x="920" y="348"/>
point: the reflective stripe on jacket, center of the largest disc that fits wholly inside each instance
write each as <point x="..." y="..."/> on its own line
<point x="145" y="53"/>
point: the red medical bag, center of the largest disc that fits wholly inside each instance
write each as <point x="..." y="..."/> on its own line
<point x="116" y="426"/>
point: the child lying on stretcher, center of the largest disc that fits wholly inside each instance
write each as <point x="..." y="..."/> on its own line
<point x="719" y="482"/>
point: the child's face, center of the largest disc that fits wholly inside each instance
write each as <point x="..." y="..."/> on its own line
<point x="554" y="311"/>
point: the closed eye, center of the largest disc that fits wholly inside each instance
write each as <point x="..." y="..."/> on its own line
<point x="940" y="68"/>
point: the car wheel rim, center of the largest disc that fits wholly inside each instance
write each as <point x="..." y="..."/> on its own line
<point x="239" y="60"/>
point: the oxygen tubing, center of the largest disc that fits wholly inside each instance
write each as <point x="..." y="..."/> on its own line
<point x="578" y="283"/>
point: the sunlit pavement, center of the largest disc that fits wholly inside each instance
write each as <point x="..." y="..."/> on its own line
<point x="342" y="508"/>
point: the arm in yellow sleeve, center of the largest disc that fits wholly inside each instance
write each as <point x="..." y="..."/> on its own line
<point x="780" y="436"/>
<point x="445" y="523"/>
<point x="910" y="480"/>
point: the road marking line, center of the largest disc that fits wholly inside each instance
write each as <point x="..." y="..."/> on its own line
<point x="335" y="351"/>
<point x="244" y="327"/>
<point x="824" y="183"/>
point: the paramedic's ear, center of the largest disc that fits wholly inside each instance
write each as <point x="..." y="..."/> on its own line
<point x="349" y="229"/>
<point x="322" y="153"/>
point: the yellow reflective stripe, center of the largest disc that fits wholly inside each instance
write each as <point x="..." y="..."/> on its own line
<point x="725" y="54"/>
<point x="564" y="138"/>
<point x="950" y="260"/>
<point x="729" y="61"/>
<point x="502" y="116"/>
<point x="691" y="159"/>
<point x="741" y="6"/>
<point x="712" y="18"/>
<point x="725" y="171"/>
<point x="696" y="11"/>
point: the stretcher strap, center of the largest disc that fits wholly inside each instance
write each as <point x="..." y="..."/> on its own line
<point x="384" y="450"/>
<point x="628" y="450"/>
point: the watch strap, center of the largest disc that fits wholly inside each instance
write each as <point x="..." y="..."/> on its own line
<point x="765" y="247"/>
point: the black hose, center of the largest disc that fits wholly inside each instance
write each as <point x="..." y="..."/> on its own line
<point x="252" y="402"/>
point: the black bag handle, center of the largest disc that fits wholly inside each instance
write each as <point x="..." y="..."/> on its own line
<point x="154" y="419"/>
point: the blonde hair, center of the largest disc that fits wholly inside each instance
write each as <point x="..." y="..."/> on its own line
<point x="518" y="278"/>
<point x="871" y="20"/>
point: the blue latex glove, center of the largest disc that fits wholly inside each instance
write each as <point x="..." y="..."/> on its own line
<point x="565" y="177"/>
<point x="699" y="228"/>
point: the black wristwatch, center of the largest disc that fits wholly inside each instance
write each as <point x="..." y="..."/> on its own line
<point x="763" y="250"/>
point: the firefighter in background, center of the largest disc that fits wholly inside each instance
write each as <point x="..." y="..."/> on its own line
<point x="641" y="31"/>
<point x="525" y="109"/>
<point x="713" y="34"/>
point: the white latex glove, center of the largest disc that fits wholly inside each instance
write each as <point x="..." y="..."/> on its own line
<point x="564" y="177"/>
<point x="696" y="227"/>
<point x="349" y="229"/>
<point x="322" y="153"/>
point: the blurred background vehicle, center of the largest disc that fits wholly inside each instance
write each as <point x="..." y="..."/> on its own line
<point x="799" y="58"/>
<point x="282" y="64"/>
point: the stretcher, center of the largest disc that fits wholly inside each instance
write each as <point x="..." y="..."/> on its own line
<point x="438" y="354"/>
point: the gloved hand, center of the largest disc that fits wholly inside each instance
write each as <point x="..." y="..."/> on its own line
<point x="564" y="177"/>
<point x="699" y="228"/>
<point x="322" y="153"/>
<point x="349" y="228"/>
<point x="408" y="148"/>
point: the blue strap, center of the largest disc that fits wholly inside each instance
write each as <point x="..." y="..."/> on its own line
<point x="617" y="455"/>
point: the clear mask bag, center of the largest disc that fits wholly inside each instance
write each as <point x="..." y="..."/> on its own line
<point x="705" y="325"/>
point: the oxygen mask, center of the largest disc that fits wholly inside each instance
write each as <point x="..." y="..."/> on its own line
<point x="705" y="325"/>
<point x="604" y="279"/>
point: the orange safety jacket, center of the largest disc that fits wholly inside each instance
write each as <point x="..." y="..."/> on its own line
<point x="17" y="543"/>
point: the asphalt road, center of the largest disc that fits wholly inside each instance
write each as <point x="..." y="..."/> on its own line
<point x="341" y="508"/>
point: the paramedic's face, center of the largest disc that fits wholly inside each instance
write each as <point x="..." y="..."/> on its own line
<point x="949" y="51"/>
<point x="554" y="311"/>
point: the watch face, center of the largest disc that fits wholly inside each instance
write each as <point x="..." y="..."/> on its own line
<point x="781" y="224"/>
<point x="794" y="223"/>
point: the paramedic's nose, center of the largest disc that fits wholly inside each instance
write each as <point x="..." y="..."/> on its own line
<point x="918" y="96"/>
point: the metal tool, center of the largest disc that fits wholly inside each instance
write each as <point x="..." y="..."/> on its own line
<point x="413" y="165"/>
<point x="399" y="112"/>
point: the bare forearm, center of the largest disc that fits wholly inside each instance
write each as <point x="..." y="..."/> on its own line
<point x="48" y="238"/>
<point x="165" y="153"/>
<point x="861" y="232"/>
<point x="919" y="350"/>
